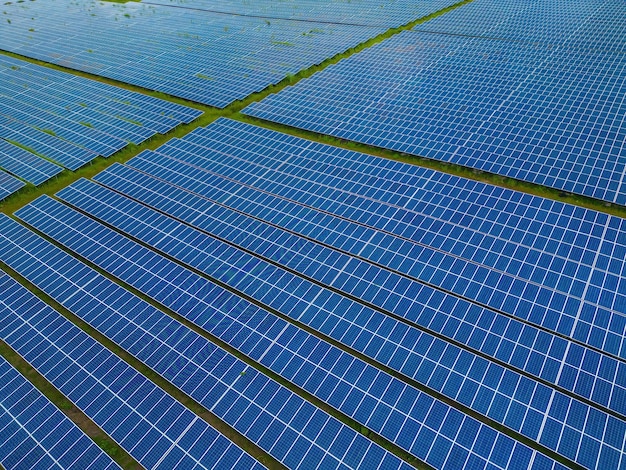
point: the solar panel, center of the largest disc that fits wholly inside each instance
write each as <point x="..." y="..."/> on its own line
<point x="70" y="120"/>
<point x="276" y="419"/>
<point x="8" y="184"/>
<point x="521" y="346"/>
<point x="415" y="354"/>
<point x="588" y="25"/>
<point x="34" y="433"/>
<point x="467" y="220"/>
<point x="154" y="428"/>
<point x="511" y="106"/>
<point x="292" y="353"/>
<point x="26" y="165"/>
<point x="66" y="154"/>
<point x="201" y="52"/>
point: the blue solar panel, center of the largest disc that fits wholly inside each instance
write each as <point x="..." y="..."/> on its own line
<point x="205" y="54"/>
<point x="66" y="154"/>
<point x="467" y="220"/>
<point x="35" y="434"/>
<point x="8" y="184"/>
<point x="26" y="165"/>
<point x="268" y="414"/>
<point x="149" y="424"/>
<point x="292" y="353"/>
<point x="544" y="113"/>
<point x="581" y="24"/>
<point x="409" y="351"/>
<point x="520" y="345"/>
<point x="72" y="120"/>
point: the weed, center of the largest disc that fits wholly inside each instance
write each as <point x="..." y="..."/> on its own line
<point x="48" y="131"/>
<point x="282" y="43"/>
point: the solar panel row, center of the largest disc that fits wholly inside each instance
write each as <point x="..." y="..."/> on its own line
<point x="26" y="165"/>
<point x="154" y="428"/>
<point x="8" y="184"/>
<point x="523" y="347"/>
<point x="71" y="119"/>
<point x="209" y="57"/>
<point x="565" y="254"/>
<point x="279" y="421"/>
<point x="34" y="433"/>
<point x="349" y="384"/>
<point x="66" y="154"/>
<point x="583" y="24"/>
<point x="545" y="113"/>
<point x="490" y="389"/>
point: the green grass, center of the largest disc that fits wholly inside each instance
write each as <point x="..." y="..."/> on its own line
<point x="203" y="76"/>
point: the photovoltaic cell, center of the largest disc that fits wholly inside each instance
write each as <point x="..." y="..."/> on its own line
<point x="149" y="424"/>
<point x="8" y="184"/>
<point x="279" y="421"/>
<point x="35" y="434"/>
<point x="205" y="52"/>
<point x="292" y="353"/>
<point x="26" y="165"/>
<point x="514" y="106"/>
<point x="526" y="348"/>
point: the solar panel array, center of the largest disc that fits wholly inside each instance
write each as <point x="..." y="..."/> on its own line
<point x="154" y="428"/>
<point x="276" y="419"/>
<point x="430" y="276"/>
<point x="350" y="385"/>
<point x="580" y="24"/>
<point x="333" y="309"/>
<point x="50" y="115"/>
<point x="390" y="14"/>
<point x="259" y="238"/>
<point x="8" y="184"/>
<point x="530" y="335"/>
<point x="26" y="165"/>
<point x="482" y="87"/>
<point x="544" y="253"/>
<point x="34" y="433"/>
<point x="208" y="56"/>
